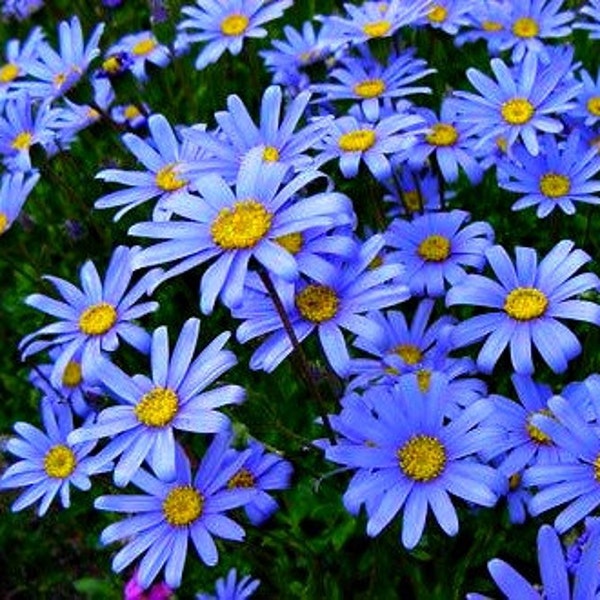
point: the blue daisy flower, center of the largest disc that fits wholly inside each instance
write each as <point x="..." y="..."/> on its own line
<point x="224" y="25"/>
<point x="229" y="588"/>
<point x="14" y="191"/>
<point x="17" y="58"/>
<point x="553" y="572"/>
<point x="48" y="464"/>
<point x="449" y="15"/>
<point x="485" y="21"/>
<point x="414" y="459"/>
<point x="20" y="9"/>
<point x="162" y="520"/>
<point x="435" y="247"/>
<point x="588" y="100"/>
<point x="142" y="425"/>
<point x="140" y="48"/>
<point x="528" y="300"/>
<point x="592" y="11"/>
<point x="92" y="319"/>
<point x="232" y="227"/>
<point x="558" y="177"/>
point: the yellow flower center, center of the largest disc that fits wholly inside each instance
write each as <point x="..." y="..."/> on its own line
<point x="182" y="506"/>
<point x="234" y="24"/>
<point x="242" y="479"/>
<point x="492" y="26"/>
<point x="292" y="242"/>
<point x="270" y="154"/>
<point x="358" y="140"/>
<point x="525" y="303"/>
<point x="424" y="379"/>
<point x="22" y="141"/>
<point x="112" y="64"/>
<point x="92" y="114"/>
<point x="437" y="14"/>
<point x="514" y="481"/>
<point x="9" y="72"/>
<point x="554" y="185"/>
<point x="157" y="407"/>
<point x="72" y="374"/>
<point x="593" y="106"/>
<point x="597" y="468"/>
<point x="422" y="458"/>
<point x="98" y="318"/>
<point x="59" y="462"/>
<point x="59" y="80"/>
<point x="370" y="88"/>
<point x="376" y="262"/>
<point x="409" y="353"/>
<point x="525" y="27"/>
<point x="317" y="303"/>
<point x="377" y="28"/>
<point x="144" y="47"/>
<point x="434" y="248"/>
<point x="131" y="111"/>
<point x="517" y="111"/>
<point x="3" y="223"/>
<point x="242" y="226"/>
<point x="167" y="180"/>
<point x="412" y="201"/>
<point x="536" y="434"/>
<point x="442" y="134"/>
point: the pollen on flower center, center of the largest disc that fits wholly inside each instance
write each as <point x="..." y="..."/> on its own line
<point x="442" y="134"/>
<point x="242" y="479"/>
<point x="98" y="318"/>
<point x="517" y="111"/>
<point x="525" y="303"/>
<point x="9" y="72"/>
<point x="377" y="28"/>
<point x="525" y="27"/>
<point x="270" y="154"/>
<point x="167" y="180"/>
<point x="434" y="248"/>
<point x="437" y="14"/>
<point x="409" y="353"/>
<point x="131" y="111"/>
<point x="59" y="461"/>
<point x="292" y="242"/>
<point x="241" y="226"/>
<point x="22" y="141"/>
<point x="412" y="201"/>
<point x="597" y="468"/>
<point x="593" y="106"/>
<point x="370" y="88"/>
<point x="72" y="374"/>
<point x="536" y="434"/>
<point x="554" y="185"/>
<point x="112" y="64"/>
<point x="3" y="223"/>
<point x="358" y="140"/>
<point x="182" y="506"/>
<point x="144" y="47"/>
<point x="234" y="24"/>
<point x="422" y="458"/>
<point x="59" y="80"/>
<point x="424" y="379"/>
<point x="157" y="407"/>
<point x="317" y="303"/>
<point x="492" y="26"/>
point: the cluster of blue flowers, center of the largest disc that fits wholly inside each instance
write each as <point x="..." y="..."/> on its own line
<point x="251" y="206"/>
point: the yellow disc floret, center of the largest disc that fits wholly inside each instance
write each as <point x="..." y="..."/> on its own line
<point x="292" y="242"/>
<point x="3" y="223"/>
<point x="59" y="462"/>
<point x="437" y="14"/>
<point x="157" y="407"/>
<point x="492" y="26"/>
<point x="422" y="458"/>
<point x="234" y="24"/>
<point x="270" y="154"/>
<point x="525" y="303"/>
<point x="409" y="353"/>
<point x="167" y="179"/>
<point x="424" y="379"/>
<point x="597" y="468"/>
<point x="517" y="111"/>
<point x="144" y="47"/>
<point x="358" y="140"/>
<point x="9" y="72"/>
<point x="525" y="27"/>
<point x="98" y="318"/>
<point x="434" y="248"/>
<point x="370" y="88"/>
<point x="442" y="134"/>
<point x="593" y="106"/>
<point x="377" y="28"/>
<point x="72" y="374"/>
<point x="182" y="506"/>
<point x="317" y="303"/>
<point x="22" y="141"/>
<point x="242" y="479"/>
<point x="241" y="226"/>
<point x="536" y="434"/>
<point x="554" y="185"/>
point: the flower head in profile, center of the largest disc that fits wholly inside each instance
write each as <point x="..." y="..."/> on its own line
<point x="134" y="51"/>
<point x="20" y="9"/>
<point x="14" y="189"/>
<point x="91" y="320"/>
<point x="160" y="522"/>
<point x="17" y="57"/>
<point x="224" y="25"/>
<point x="529" y="300"/>
<point x="485" y="21"/>
<point x="141" y="426"/>
<point x="48" y="464"/>
<point x="588" y="99"/>
<point x="449" y="15"/>
<point x="230" y="588"/>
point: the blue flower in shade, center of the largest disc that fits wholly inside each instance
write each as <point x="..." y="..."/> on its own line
<point x="588" y="100"/>
<point x="592" y="11"/>
<point x="365" y="80"/>
<point x="48" y="464"/>
<point x="521" y="103"/>
<point x="20" y="9"/>
<point x="558" y="177"/>
<point x="138" y="49"/>
<point x="528" y="301"/>
<point x="574" y="482"/>
<point x="277" y="133"/>
<point x="232" y="227"/>
<point x="353" y="140"/>
<point x="162" y="520"/>
<point x="55" y="73"/>
<point x="14" y="190"/>
<point x="17" y="57"/>
<point x="485" y="21"/>
<point x="229" y="588"/>
<point x="262" y="471"/>
<point x="435" y="247"/>
<point x="92" y="319"/>
<point x="175" y="397"/>
<point x="165" y="158"/>
<point x="224" y="25"/>
<point x="335" y="298"/>
<point x="553" y="572"/>
<point x="449" y="15"/>
<point x="529" y="22"/>
<point x="413" y="460"/>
